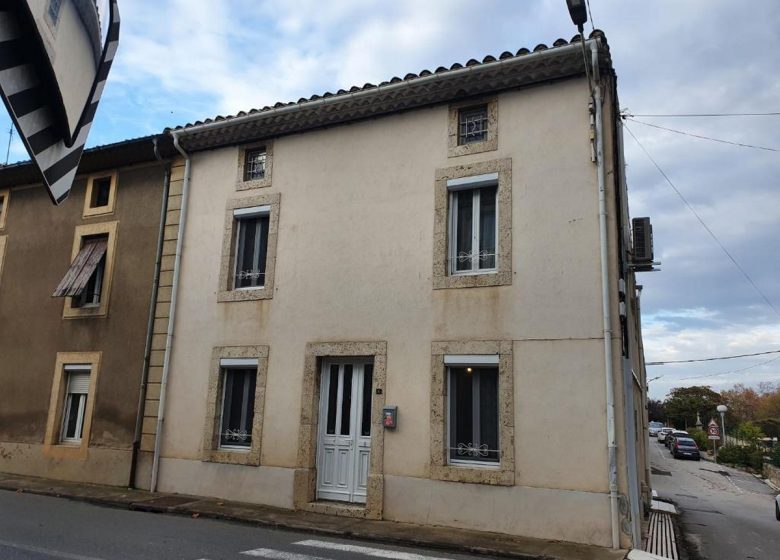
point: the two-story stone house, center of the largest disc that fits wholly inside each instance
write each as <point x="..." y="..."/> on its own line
<point x="411" y="301"/>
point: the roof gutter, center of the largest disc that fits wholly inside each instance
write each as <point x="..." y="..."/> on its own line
<point x="232" y="121"/>
<point x="172" y="313"/>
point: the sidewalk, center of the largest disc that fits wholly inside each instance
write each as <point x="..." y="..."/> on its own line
<point x="455" y="540"/>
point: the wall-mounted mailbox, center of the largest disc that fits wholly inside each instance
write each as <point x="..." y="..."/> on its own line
<point x="390" y="417"/>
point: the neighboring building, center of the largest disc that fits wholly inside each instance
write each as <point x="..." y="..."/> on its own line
<point x="432" y="243"/>
<point x="71" y="366"/>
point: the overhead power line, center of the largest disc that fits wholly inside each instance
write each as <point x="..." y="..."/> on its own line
<point x="740" y="370"/>
<point x="704" y="225"/>
<point x="713" y="359"/>
<point x="670" y="115"/>
<point x="700" y="137"/>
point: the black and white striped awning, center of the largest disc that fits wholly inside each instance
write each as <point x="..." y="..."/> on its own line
<point x="33" y="97"/>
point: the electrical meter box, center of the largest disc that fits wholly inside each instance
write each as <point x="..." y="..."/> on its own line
<point x="390" y="417"/>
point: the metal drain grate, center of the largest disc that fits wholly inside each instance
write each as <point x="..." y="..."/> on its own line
<point x="661" y="540"/>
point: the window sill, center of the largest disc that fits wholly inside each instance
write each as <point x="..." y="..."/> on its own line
<point x="245" y="294"/>
<point x="473" y="279"/>
<point x="495" y="476"/>
<point x="248" y="457"/>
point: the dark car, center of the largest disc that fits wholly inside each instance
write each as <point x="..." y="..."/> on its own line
<point x="685" y="448"/>
<point x="673" y="436"/>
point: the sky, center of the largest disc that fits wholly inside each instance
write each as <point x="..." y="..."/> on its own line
<point x="181" y="61"/>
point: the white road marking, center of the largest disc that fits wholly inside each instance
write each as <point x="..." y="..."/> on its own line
<point x="47" y="551"/>
<point x="279" y="554"/>
<point x="367" y="550"/>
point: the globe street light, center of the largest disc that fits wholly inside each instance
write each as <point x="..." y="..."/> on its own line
<point x="722" y="408"/>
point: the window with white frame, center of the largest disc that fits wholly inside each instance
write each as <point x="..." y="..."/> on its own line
<point x="473" y="224"/>
<point x="251" y="246"/>
<point x="238" y="379"/>
<point x="472" y="422"/>
<point x="73" y="411"/>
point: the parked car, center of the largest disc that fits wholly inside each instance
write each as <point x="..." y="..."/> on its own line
<point x="654" y="428"/>
<point x="684" y="447"/>
<point x="674" y="435"/>
<point x="662" y="433"/>
<point x="777" y="507"/>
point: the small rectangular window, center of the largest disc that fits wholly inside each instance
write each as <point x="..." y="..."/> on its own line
<point x="75" y="404"/>
<point x="472" y="124"/>
<point x="254" y="164"/>
<point x="473" y="414"/>
<point x="251" y="245"/>
<point x="473" y="230"/>
<point x="101" y="190"/>
<point x="238" y="407"/>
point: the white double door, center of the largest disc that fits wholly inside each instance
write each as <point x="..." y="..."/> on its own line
<point x="344" y="437"/>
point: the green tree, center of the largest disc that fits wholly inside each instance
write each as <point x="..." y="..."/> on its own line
<point x="682" y="404"/>
<point x="655" y="410"/>
<point x="749" y="432"/>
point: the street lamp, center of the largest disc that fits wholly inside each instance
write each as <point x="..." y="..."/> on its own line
<point x="722" y="408"/>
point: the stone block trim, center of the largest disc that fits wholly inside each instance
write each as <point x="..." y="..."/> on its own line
<point x="503" y="274"/>
<point x="504" y="475"/>
<point x="453" y="149"/>
<point x="162" y="308"/>
<point x="242" y="185"/>
<point x="211" y="450"/>
<point x="226" y="291"/>
<point x="305" y="481"/>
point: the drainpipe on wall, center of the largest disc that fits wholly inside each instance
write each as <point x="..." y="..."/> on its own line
<point x="139" y="415"/>
<point x="605" y="297"/>
<point x="185" y="191"/>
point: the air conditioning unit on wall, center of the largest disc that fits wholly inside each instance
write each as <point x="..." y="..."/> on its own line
<point x="642" y="254"/>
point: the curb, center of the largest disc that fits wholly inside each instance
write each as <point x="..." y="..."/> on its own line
<point x="388" y="532"/>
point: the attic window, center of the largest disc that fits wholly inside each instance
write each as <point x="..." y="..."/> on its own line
<point x="101" y="189"/>
<point x="254" y="164"/>
<point x="472" y="124"/>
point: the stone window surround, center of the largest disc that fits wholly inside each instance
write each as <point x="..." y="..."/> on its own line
<point x="502" y="276"/>
<point x="110" y="228"/>
<point x="305" y="484"/>
<point x="242" y="185"/>
<point x="3" y="240"/>
<point x="226" y="292"/>
<point x="453" y="149"/>
<point x="5" y="194"/>
<point x="90" y="212"/>
<point x="211" y="450"/>
<point x="504" y="475"/>
<point x="51" y="441"/>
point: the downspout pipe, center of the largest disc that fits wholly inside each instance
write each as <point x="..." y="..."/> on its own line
<point x="139" y="415"/>
<point x="606" y="301"/>
<point x="185" y="191"/>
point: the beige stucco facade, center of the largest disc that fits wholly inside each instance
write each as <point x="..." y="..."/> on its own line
<point x="356" y="262"/>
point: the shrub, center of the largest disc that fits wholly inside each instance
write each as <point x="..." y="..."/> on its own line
<point x="700" y="437"/>
<point x="754" y="459"/>
<point x="775" y="456"/>
<point x="749" y="432"/>
<point x="732" y="454"/>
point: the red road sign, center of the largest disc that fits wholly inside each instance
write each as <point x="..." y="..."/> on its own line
<point x="713" y="429"/>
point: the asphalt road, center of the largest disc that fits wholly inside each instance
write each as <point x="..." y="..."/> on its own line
<point x="726" y="514"/>
<point x="42" y="528"/>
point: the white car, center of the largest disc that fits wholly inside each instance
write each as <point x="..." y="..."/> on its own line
<point x="662" y="433"/>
